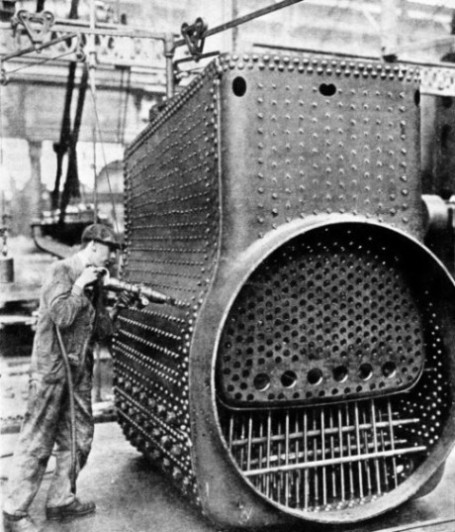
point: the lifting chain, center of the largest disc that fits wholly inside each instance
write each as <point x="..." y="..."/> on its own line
<point x="194" y="36"/>
<point x="36" y="25"/>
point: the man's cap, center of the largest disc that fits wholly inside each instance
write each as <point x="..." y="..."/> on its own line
<point x="100" y="233"/>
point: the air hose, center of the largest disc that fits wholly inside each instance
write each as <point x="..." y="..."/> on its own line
<point x="69" y="380"/>
<point x="71" y="383"/>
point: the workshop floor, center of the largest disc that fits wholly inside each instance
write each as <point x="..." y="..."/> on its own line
<point x="131" y="496"/>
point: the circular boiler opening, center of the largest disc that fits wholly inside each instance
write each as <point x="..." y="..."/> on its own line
<point x="325" y="346"/>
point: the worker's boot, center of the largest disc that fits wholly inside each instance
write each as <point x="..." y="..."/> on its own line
<point x="76" y="508"/>
<point x="14" y="523"/>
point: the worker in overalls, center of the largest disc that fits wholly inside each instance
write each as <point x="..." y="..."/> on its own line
<point x="70" y="318"/>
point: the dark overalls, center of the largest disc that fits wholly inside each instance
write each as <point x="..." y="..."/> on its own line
<point x="47" y="419"/>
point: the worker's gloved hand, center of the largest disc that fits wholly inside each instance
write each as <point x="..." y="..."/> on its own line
<point x="126" y="300"/>
<point x="87" y="277"/>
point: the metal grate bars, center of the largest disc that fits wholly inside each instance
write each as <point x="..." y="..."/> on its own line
<point x="327" y="458"/>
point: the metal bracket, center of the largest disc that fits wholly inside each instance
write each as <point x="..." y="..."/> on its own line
<point x="4" y="235"/>
<point x="440" y="218"/>
<point x="36" y="25"/>
<point x="437" y="81"/>
<point x="194" y="36"/>
<point x="80" y="53"/>
<point x="439" y="213"/>
<point x="3" y="77"/>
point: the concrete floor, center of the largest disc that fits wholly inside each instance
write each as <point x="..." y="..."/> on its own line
<point x="130" y="495"/>
<point x="133" y="497"/>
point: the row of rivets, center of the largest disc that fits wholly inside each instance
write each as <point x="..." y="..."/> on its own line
<point x="158" y="414"/>
<point x="320" y="66"/>
<point x="135" y="378"/>
<point x="170" y="250"/>
<point x="158" y="441"/>
<point x="186" y="184"/>
<point x="133" y="356"/>
<point x="171" y="225"/>
<point x="154" y="273"/>
<point x="175" y="262"/>
<point x="161" y="431"/>
<point x="171" y="212"/>
<point x="162" y="315"/>
<point x="166" y="170"/>
<point x="149" y="328"/>
<point x="200" y="201"/>
<point x="158" y="367"/>
<point x="175" y="104"/>
<point x="199" y="168"/>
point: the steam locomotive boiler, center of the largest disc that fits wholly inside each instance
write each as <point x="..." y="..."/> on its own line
<point x="307" y="373"/>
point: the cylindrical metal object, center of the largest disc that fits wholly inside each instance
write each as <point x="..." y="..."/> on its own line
<point x="140" y="290"/>
<point x="436" y="214"/>
<point x="6" y="269"/>
<point x="310" y="376"/>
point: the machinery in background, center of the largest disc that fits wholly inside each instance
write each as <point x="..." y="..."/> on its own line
<point x="18" y="295"/>
<point x="6" y="262"/>
<point x="42" y="37"/>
